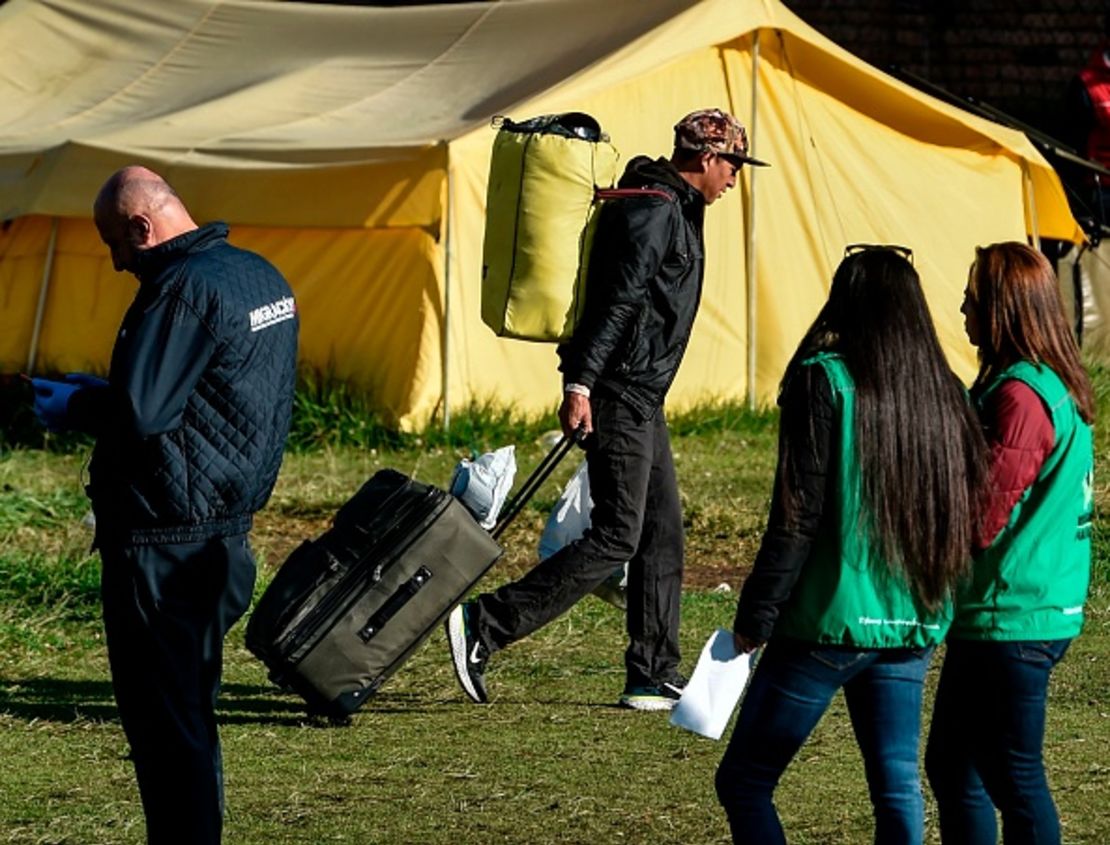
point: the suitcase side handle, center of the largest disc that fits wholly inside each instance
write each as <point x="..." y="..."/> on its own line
<point x="394" y="603"/>
<point x="539" y="476"/>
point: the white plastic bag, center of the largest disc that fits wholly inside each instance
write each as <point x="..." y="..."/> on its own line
<point x="483" y="484"/>
<point x="568" y="521"/>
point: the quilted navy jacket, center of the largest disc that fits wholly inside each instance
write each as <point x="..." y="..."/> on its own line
<point x="191" y="428"/>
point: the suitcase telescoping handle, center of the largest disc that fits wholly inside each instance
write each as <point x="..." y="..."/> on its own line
<point x="539" y="476"/>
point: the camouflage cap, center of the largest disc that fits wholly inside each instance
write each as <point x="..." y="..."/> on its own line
<point x="714" y="131"/>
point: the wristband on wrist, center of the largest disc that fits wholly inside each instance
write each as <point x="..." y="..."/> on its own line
<point x="580" y="389"/>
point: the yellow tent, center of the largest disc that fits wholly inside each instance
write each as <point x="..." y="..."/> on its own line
<point x="350" y="145"/>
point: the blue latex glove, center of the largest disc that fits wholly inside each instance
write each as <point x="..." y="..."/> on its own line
<point x="52" y="401"/>
<point x="85" y="380"/>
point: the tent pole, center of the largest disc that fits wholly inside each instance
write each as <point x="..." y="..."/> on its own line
<point x="445" y="342"/>
<point x="1031" y="200"/>
<point x="751" y="233"/>
<point x="40" y="311"/>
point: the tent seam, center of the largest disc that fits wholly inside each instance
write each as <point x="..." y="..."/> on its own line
<point x="455" y="45"/>
<point x="803" y="121"/>
<point x="150" y="70"/>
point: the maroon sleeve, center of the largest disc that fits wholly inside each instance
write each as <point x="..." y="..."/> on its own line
<point x="1020" y="435"/>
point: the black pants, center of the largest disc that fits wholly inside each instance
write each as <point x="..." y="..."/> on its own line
<point x="166" y="611"/>
<point x="636" y="517"/>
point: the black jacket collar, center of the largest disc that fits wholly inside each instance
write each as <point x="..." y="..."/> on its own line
<point x="151" y="262"/>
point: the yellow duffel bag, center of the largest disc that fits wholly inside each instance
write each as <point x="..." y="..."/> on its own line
<point x="540" y="215"/>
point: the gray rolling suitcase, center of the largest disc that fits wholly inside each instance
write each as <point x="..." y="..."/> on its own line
<point x="346" y="609"/>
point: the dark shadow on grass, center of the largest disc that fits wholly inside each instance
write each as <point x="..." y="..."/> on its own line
<point x="242" y="704"/>
<point x="53" y="700"/>
<point x="539" y="702"/>
<point x="65" y="700"/>
<point x="585" y="705"/>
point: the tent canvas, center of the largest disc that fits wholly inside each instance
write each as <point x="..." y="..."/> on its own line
<point x="350" y="145"/>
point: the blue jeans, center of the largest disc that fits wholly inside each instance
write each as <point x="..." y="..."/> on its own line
<point x="790" y="690"/>
<point x="985" y="743"/>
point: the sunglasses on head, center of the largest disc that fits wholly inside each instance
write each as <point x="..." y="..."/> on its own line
<point x="903" y="251"/>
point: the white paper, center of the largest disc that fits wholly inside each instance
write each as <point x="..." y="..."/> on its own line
<point x="714" y="689"/>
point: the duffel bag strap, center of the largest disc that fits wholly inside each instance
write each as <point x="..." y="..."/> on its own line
<point x="629" y="193"/>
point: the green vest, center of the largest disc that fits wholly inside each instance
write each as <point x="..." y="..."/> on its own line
<point x="846" y="593"/>
<point x="1031" y="583"/>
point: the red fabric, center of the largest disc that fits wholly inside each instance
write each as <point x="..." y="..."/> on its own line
<point x="1096" y="79"/>
<point x="1020" y="435"/>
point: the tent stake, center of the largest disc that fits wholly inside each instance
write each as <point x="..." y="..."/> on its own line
<point x="47" y="270"/>
<point x="751" y="233"/>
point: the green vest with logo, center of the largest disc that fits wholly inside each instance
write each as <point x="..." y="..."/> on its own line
<point x="846" y="593"/>
<point x="1031" y="583"/>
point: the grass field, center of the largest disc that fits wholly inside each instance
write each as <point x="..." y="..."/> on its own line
<point x="550" y="760"/>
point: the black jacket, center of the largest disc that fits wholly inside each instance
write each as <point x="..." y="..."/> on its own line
<point x="191" y="429"/>
<point x="807" y="424"/>
<point x="643" y="290"/>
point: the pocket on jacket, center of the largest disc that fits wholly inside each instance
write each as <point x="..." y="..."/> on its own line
<point x="635" y="353"/>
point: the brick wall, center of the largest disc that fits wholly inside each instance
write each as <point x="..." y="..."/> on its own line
<point x="1015" y="55"/>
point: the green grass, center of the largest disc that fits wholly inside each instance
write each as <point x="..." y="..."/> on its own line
<point x="331" y="414"/>
<point x="550" y="761"/>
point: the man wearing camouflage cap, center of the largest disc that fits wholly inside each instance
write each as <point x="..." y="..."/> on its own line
<point x="644" y="286"/>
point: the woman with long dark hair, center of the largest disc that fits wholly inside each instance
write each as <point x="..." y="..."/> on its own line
<point x="880" y="460"/>
<point x="1023" y="605"/>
